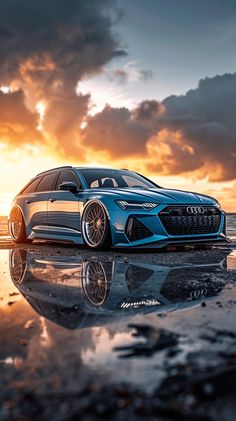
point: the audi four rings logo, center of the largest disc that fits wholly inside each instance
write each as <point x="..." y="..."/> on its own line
<point x="195" y="210"/>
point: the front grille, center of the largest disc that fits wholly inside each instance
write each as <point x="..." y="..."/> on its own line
<point x="177" y="220"/>
<point x="135" y="230"/>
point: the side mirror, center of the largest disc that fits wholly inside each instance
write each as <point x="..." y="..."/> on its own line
<point x="69" y="186"/>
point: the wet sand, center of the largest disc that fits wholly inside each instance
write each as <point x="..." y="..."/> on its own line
<point x="117" y="334"/>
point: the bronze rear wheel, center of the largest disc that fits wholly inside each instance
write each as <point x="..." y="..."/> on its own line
<point x="17" y="226"/>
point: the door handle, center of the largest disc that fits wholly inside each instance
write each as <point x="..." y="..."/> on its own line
<point x="52" y="200"/>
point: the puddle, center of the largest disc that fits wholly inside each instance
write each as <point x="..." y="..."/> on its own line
<point x="73" y="321"/>
<point x="61" y="314"/>
<point x="77" y="293"/>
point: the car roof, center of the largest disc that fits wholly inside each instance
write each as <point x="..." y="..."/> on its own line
<point x="100" y="168"/>
<point x="80" y="168"/>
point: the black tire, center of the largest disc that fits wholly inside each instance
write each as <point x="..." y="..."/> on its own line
<point x="17" y="226"/>
<point x="95" y="219"/>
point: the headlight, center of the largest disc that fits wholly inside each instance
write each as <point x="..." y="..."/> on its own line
<point x="135" y="205"/>
<point x="218" y="205"/>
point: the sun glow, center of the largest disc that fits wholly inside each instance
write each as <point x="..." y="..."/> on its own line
<point x="41" y="109"/>
<point x="17" y="167"/>
<point x="5" y="89"/>
<point x="101" y="95"/>
<point x="5" y="203"/>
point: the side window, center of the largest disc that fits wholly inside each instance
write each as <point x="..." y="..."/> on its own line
<point x="47" y="183"/>
<point x="31" y="186"/>
<point x="67" y="176"/>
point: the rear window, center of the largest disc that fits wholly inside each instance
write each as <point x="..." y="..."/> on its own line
<point x="30" y="188"/>
<point x="47" y="183"/>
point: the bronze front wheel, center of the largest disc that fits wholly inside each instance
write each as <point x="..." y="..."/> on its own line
<point x="95" y="226"/>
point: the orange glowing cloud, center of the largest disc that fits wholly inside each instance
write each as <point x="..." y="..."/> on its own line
<point x="17" y="123"/>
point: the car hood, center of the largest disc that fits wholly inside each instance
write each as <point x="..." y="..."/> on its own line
<point x="159" y="195"/>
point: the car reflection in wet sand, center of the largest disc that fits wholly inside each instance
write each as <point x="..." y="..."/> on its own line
<point x="75" y="293"/>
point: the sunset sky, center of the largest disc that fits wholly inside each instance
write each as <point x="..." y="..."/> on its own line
<point x="149" y="86"/>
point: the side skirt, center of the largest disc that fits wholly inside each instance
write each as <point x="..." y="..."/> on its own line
<point x="63" y="234"/>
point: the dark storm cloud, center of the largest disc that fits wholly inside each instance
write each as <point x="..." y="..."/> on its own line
<point x="120" y="131"/>
<point x="46" y="47"/>
<point x="75" y="35"/>
<point x="114" y="130"/>
<point x="17" y="123"/>
<point x="147" y="110"/>
<point x="205" y="118"/>
<point x="192" y="132"/>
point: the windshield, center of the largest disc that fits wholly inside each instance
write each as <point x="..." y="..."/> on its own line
<point x="103" y="178"/>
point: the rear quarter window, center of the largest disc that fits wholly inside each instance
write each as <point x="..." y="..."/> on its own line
<point x="31" y="187"/>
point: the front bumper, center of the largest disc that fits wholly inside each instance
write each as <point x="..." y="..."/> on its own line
<point x="174" y="242"/>
<point x="154" y="233"/>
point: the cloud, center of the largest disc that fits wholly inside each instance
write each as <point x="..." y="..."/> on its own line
<point x="62" y="120"/>
<point x="147" y="110"/>
<point x="205" y="119"/>
<point x="129" y="72"/>
<point x="17" y="123"/>
<point x="46" y="47"/>
<point x="195" y="132"/>
<point x="121" y="132"/>
<point x="230" y="191"/>
<point x="61" y="40"/>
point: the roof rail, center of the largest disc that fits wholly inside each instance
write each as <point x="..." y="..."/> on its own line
<point x="53" y="169"/>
